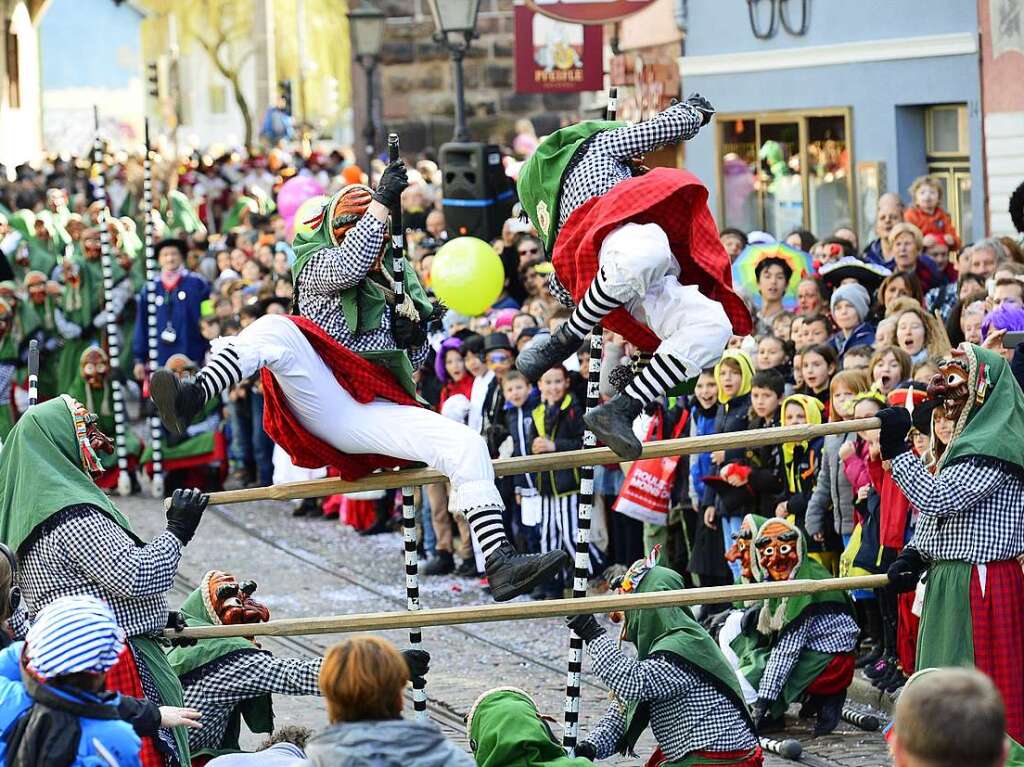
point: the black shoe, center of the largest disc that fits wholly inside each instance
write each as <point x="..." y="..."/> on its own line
<point x="442" y="564"/>
<point x="830" y="710"/>
<point x="380" y="526"/>
<point x="178" y="402"/>
<point x="771" y="724"/>
<point x="546" y="351"/>
<point x="510" y="574"/>
<point x="883" y="682"/>
<point x="881" y="668"/>
<point x="309" y="506"/>
<point x="896" y="681"/>
<point x="612" y="423"/>
<point x="869" y="658"/>
<point x="467" y="568"/>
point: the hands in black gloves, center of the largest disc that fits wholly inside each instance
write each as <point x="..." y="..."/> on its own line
<point x="703" y="106"/>
<point x="392" y="182"/>
<point x="418" y="662"/>
<point x="586" y="750"/>
<point x="906" y="571"/>
<point x="408" y="333"/>
<point x="892" y="439"/>
<point x="176" y="621"/>
<point x="187" y="507"/>
<point x="759" y="711"/>
<point x="586" y="627"/>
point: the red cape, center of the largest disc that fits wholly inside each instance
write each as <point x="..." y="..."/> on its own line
<point x="362" y="379"/>
<point x="674" y="199"/>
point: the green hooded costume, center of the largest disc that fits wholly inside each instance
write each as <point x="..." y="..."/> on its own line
<point x="778" y="613"/>
<point x="44" y="440"/>
<point x="181" y="216"/>
<point x="505" y="730"/>
<point x="40" y="257"/>
<point x="364" y="304"/>
<point x="258" y="712"/>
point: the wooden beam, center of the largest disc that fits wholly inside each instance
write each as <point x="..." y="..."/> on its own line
<point x="570" y="459"/>
<point x="513" y="611"/>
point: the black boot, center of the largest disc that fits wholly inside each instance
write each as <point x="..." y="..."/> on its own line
<point x="178" y="402"/>
<point x="830" y="710"/>
<point x="442" y="564"/>
<point x="510" y="574"/>
<point x="869" y="658"/>
<point x="546" y="351"/>
<point x="612" y="423"/>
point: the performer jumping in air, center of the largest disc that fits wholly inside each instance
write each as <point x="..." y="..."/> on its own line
<point x="338" y="378"/>
<point x="638" y="253"/>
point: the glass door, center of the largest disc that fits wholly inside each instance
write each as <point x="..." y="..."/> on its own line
<point x="780" y="175"/>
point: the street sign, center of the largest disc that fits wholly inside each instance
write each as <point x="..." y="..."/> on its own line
<point x="589" y="11"/>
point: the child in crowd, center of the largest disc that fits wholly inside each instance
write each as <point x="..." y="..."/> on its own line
<point x="782" y="325"/>
<point x="774" y="354"/>
<point x="857" y="358"/>
<point x="927" y="214"/>
<point x="799" y="469"/>
<point x="850" y="305"/>
<point x="817" y="330"/>
<point x="520" y="400"/>
<point x="889" y="365"/>
<point x="766" y="393"/>
<point x="817" y="366"/>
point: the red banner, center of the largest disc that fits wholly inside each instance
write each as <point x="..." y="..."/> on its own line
<point x="554" y="56"/>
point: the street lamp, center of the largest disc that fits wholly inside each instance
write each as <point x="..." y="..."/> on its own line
<point x="366" y="29"/>
<point x="458" y="18"/>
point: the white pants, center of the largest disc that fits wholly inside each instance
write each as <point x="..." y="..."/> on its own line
<point x="327" y="411"/>
<point x="730" y="630"/>
<point x="641" y="272"/>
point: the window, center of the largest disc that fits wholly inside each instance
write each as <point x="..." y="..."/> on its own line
<point x="948" y="147"/>
<point x="780" y="171"/>
<point x="13" y="75"/>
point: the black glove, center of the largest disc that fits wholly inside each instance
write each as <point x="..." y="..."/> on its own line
<point x="418" y="662"/>
<point x="922" y="416"/>
<point x="586" y="750"/>
<point x="176" y="621"/>
<point x="896" y="423"/>
<point x="393" y="180"/>
<point x="408" y="333"/>
<point x="748" y="623"/>
<point x="187" y="507"/>
<point x="586" y="627"/>
<point x="759" y="711"/>
<point x="703" y="106"/>
<point x="906" y="571"/>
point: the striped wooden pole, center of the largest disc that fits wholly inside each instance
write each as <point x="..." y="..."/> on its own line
<point x="412" y="565"/>
<point x="124" y="482"/>
<point x="581" y="564"/>
<point x="156" y="434"/>
<point x="33" y="372"/>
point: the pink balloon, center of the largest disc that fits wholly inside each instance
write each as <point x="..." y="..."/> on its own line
<point x="296" y="191"/>
<point x="289" y="227"/>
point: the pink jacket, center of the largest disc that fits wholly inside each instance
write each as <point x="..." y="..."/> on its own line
<point x="855" y="467"/>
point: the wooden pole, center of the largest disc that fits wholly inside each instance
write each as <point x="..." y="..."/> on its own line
<point x="570" y="459"/>
<point x="156" y="434"/>
<point x="513" y="611"/>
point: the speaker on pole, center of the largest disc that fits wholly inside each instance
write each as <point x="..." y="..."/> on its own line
<point x="477" y="195"/>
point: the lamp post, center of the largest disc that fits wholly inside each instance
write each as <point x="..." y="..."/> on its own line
<point x="366" y="29"/>
<point x="455" y="19"/>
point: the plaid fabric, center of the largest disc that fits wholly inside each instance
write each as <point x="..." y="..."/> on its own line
<point x="335" y="269"/>
<point x="217" y="688"/>
<point x="123" y="678"/>
<point x="834" y="632"/>
<point x="997" y="620"/>
<point x="687" y="713"/>
<point x="675" y="200"/>
<point x="359" y="377"/>
<point x="972" y="511"/>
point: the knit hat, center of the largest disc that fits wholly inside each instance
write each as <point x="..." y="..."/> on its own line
<point x="854" y="294"/>
<point x="71" y="635"/>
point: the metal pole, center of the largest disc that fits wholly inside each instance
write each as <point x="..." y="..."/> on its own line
<point x="458" y="53"/>
<point x="152" y="274"/>
<point x="33" y="372"/>
<point x="124" y="483"/>
<point x="370" y="129"/>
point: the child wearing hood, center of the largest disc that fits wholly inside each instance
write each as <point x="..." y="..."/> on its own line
<point x="850" y="306"/>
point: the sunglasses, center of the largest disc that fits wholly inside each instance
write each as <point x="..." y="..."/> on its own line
<point x="527" y="251"/>
<point x="499" y="357"/>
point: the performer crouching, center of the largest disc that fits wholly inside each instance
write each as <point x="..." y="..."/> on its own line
<point x="338" y="378"/>
<point x="679" y="683"/>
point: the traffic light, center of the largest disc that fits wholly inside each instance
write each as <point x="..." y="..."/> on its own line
<point x="153" y="79"/>
<point x="286" y="94"/>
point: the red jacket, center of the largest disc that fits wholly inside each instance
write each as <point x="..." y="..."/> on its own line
<point x="895" y="508"/>
<point x="938" y="223"/>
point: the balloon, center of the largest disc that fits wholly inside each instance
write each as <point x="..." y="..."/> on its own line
<point x="297" y="222"/>
<point x="294" y="192"/>
<point x="467" y="275"/>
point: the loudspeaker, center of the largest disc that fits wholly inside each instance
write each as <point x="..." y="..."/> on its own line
<point x="477" y="195"/>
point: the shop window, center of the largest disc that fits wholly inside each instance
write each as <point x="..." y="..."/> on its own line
<point x="948" y="147"/>
<point x="780" y="171"/>
<point x="13" y="74"/>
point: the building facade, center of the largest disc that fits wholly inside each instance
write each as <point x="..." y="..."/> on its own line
<point x="20" y="104"/>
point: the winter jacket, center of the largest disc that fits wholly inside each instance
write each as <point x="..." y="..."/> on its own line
<point x="862" y="335"/>
<point x="732" y="416"/>
<point x="856" y="467"/>
<point x="385" y="743"/>
<point x="702" y="422"/>
<point x="765" y="477"/>
<point x="937" y="223"/>
<point x="895" y="511"/>
<point x="563" y="425"/>
<point x="832" y="492"/>
<point x="519" y="422"/>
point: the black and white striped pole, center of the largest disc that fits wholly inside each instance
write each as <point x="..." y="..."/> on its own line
<point x="33" y="372"/>
<point x="581" y="563"/>
<point x="124" y="482"/>
<point x="156" y="434"/>
<point x="412" y="580"/>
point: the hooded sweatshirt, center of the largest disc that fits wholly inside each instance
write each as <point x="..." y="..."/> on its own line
<point x="385" y="743"/>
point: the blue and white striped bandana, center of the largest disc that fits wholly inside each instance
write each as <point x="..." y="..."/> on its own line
<point x="71" y="635"/>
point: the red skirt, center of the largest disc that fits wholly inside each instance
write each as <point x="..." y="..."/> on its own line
<point x="745" y="758"/>
<point x="906" y="632"/>
<point x="997" y="620"/>
<point x="124" y="678"/>
<point x="835" y="678"/>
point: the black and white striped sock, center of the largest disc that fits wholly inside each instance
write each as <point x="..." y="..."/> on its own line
<point x="223" y="371"/>
<point x="660" y="375"/>
<point x="488" y="528"/>
<point x="596" y="304"/>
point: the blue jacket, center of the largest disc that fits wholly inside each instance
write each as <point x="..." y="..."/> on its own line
<point x="181" y="309"/>
<point x="863" y="334"/>
<point x="701" y="466"/>
<point x="115" y="735"/>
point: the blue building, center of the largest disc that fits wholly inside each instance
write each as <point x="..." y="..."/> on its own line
<point x="822" y="107"/>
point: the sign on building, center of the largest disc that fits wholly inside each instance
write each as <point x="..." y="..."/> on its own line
<point x="554" y="56"/>
<point x="590" y="11"/>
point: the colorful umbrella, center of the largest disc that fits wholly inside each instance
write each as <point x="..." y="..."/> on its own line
<point x="744" y="274"/>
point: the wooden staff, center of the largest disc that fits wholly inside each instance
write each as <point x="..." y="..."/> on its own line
<point x="787" y="749"/>
<point x="156" y="434"/>
<point x="124" y="482"/>
<point x="865" y="721"/>
<point x="570" y="459"/>
<point x="412" y="581"/>
<point x="33" y="372"/>
<point x="514" y="611"/>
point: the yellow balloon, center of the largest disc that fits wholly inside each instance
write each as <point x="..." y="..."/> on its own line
<point x="306" y="212"/>
<point x="467" y="275"/>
